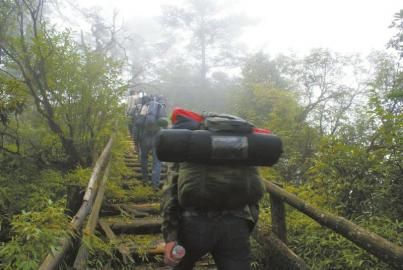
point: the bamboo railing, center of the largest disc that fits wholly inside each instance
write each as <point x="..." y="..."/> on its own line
<point x="80" y="262"/>
<point x="378" y="246"/>
<point x="53" y="260"/>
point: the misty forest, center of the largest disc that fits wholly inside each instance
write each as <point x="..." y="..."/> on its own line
<point x="66" y="73"/>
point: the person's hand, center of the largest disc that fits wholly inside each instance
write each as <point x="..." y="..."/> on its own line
<point x="168" y="258"/>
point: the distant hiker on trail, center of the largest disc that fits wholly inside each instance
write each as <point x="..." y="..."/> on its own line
<point x="135" y="102"/>
<point x="210" y="208"/>
<point x="131" y="101"/>
<point x="131" y="109"/>
<point x="151" y="119"/>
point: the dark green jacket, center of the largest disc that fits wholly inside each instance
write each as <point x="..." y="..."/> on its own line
<point x="172" y="212"/>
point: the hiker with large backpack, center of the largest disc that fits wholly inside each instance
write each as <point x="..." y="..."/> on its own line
<point x="210" y="199"/>
<point x="152" y="119"/>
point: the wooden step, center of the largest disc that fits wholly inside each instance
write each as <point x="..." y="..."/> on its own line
<point x="123" y="250"/>
<point x="135" y="165"/>
<point x="137" y="226"/>
<point x="129" y="224"/>
<point x="135" y="210"/>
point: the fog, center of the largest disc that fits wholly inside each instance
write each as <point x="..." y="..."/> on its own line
<point x="195" y="52"/>
<point x="281" y="26"/>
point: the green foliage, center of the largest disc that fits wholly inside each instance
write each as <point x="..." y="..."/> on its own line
<point x="72" y="92"/>
<point x="397" y="24"/>
<point x="142" y="244"/>
<point x="323" y="249"/>
<point x="34" y="187"/>
<point x="34" y="234"/>
<point x="12" y="98"/>
<point x="385" y="117"/>
<point x="278" y="110"/>
<point x="360" y="172"/>
<point x="143" y="194"/>
<point x="121" y="146"/>
<point x="346" y="175"/>
<point x="59" y="103"/>
<point x="79" y="176"/>
<point x="100" y="252"/>
<point x="260" y="70"/>
<point x="347" y="165"/>
<point x="138" y="192"/>
<point x="258" y="253"/>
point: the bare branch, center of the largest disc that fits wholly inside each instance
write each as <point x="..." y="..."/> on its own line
<point x="10" y="75"/>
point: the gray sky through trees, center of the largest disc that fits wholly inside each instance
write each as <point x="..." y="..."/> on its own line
<point x="347" y="26"/>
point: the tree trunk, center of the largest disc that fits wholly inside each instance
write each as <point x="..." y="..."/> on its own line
<point x="75" y="195"/>
<point x="278" y="218"/>
<point x="203" y="61"/>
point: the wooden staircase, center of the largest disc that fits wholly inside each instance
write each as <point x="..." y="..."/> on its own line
<point x="133" y="225"/>
<point x="130" y="222"/>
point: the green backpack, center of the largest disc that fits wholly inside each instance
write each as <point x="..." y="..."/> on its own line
<point x="212" y="187"/>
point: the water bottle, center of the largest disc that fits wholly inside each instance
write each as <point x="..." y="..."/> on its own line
<point x="178" y="252"/>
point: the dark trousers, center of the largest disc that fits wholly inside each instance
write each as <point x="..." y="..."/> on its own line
<point x="147" y="146"/>
<point x="226" y="238"/>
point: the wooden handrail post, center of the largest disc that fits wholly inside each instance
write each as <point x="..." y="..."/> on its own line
<point x="75" y="196"/>
<point x="278" y="222"/>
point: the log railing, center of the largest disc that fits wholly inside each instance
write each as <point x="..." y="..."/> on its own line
<point x="378" y="246"/>
<point x="54" y="259"/>
<point x="82" y="254"/>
